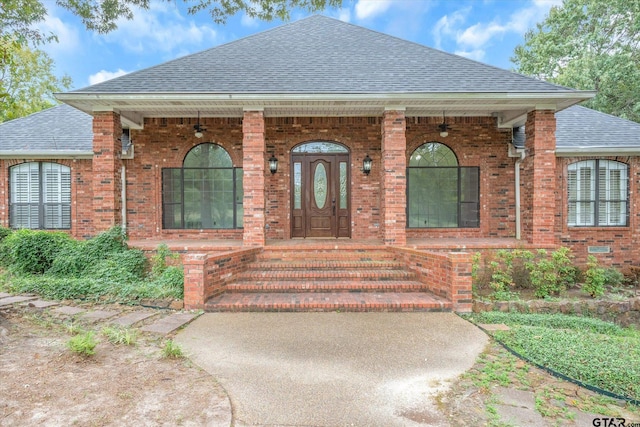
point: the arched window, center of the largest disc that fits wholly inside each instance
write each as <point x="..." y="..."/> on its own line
<point x="598" y="193"/>
<point x="40" y="196"/>
<point x="441" y="194"/>
<point x="206" y="193"/>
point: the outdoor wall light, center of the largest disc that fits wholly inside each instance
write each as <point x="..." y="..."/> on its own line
<point x="444" y="127"/>
<point x="273" y="163"/>
<point x="198" y="129"/>
<point x="366" y="164"/>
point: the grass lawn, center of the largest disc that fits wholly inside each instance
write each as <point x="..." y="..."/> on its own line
<point x="594" y="352"/>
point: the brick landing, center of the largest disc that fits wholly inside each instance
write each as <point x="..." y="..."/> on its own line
<point x="323" y="276"/>
<point x="323" y="301"/>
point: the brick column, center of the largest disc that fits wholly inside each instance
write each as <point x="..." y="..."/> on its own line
<point x="195" y="278"/>
<point x="253" y="183"/>
<point x="107" y="170"/>
<point x="538" y="178"/>
<point x="393" y="180"/>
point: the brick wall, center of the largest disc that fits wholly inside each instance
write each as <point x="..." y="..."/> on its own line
<point x="361" y="135"/>
<point x="163" y="144"/>
<point x="476" y="141"/>
<point x="206" y="276"/>
<point x="107" y="169"/>
<point x="538" y="183"/>
<point x="254" y="160"/>
<point x="622" y="241"/>
<point x="445" y="274"/>
<point x="393" y="171"/>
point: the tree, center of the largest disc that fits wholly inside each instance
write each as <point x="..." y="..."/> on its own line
<point x="28" y="82"/>
<point x="17" y="16"/>
<point x="589" y="45"/>
<point x="18" y="39"/>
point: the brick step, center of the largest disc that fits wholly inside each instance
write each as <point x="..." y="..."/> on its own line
<point x="311" y="275"/>
<point x="325" y="286"/>
<point x="326" y="301"/>
<point x="326" y="255"/>
<point x="324" y="265"/>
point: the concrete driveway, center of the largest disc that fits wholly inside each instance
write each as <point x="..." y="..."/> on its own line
<point x="333" y="369"/>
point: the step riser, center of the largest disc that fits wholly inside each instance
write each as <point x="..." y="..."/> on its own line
<point x="256" y="287"/>
<point x="303" y="309"/>
<point x="326" y="256"/>
<point x="325" y="275"/>
<point x="319" y="265"/>
<point x="328" y="302"/>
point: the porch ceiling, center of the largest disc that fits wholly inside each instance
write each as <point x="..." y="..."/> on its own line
<point x="509" y="108"/>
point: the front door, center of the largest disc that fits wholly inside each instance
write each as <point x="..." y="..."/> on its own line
<point x="320" y="197"/>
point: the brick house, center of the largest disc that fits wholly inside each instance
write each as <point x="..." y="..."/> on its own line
<point x="327" y="145"/>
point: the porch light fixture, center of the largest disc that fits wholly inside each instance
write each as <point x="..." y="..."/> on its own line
<point x="273" y="163"/>
<point x="198" y="128"/>
<point x="366" y="164"/>
<point x="444" y="127"/>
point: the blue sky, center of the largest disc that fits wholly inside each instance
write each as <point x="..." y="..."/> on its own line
<point x="484" y="30"/>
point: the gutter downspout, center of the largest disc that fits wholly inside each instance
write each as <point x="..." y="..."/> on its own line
<point x="523" y="154"/>
<point x="124" y="198"/>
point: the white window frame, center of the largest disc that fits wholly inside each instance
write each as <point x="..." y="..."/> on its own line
<point x="40" y="196"/>
<point x="598" y="198"/>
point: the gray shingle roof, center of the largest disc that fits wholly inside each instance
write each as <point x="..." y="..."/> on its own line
<point x="581" y="130"/>
<point x="583" y="127"/>
<point x="322" y="55"/>
<point x="60" y="128"/>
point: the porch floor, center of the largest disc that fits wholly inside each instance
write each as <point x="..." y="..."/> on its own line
<point x="224" y="245"/>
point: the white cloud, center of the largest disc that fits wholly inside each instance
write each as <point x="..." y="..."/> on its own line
<point x="477" y="54"/>
<point x="447" y="25"/>
<point x="248" y="21"/>
<point x="370" y="8"/>
<point x="160" y="29"/>
<point x="104" y="75"/>
<point x="68" y="35"/>
<point x="474" y="39"/>
<point x="478" y="35"/>
<point x="344" y="15"/>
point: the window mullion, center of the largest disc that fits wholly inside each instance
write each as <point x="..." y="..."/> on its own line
<point x="41" y="185"/>
<point x="182" y="199"/>
<point x="596" y="203"/>
<point x="459" y="197"/>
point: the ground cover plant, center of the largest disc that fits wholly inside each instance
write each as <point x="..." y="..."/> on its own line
<point x="594" y="352"/>
<point x="55" y="266"/>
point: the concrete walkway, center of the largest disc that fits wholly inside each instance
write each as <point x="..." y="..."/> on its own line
<point x="333" y="369"/>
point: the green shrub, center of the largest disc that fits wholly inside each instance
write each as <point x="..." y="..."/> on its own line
<point x="551" y="276"/>
<point x="34" y="251"/>
<point x="58" y="288"/>
<point x="83" y="255"/>
<point x="171" y="279"/>
<point x="93" y="269"/>
<point x="159" y="260"/>
<point x="83" y="344"/>
<point x="4" y="232"/>
<point x="120" y="267"/>
<point x="613" y="277"/>
<point x="595" y="278"/>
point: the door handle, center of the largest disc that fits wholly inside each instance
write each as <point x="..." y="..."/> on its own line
<point x="333" y="204"/>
